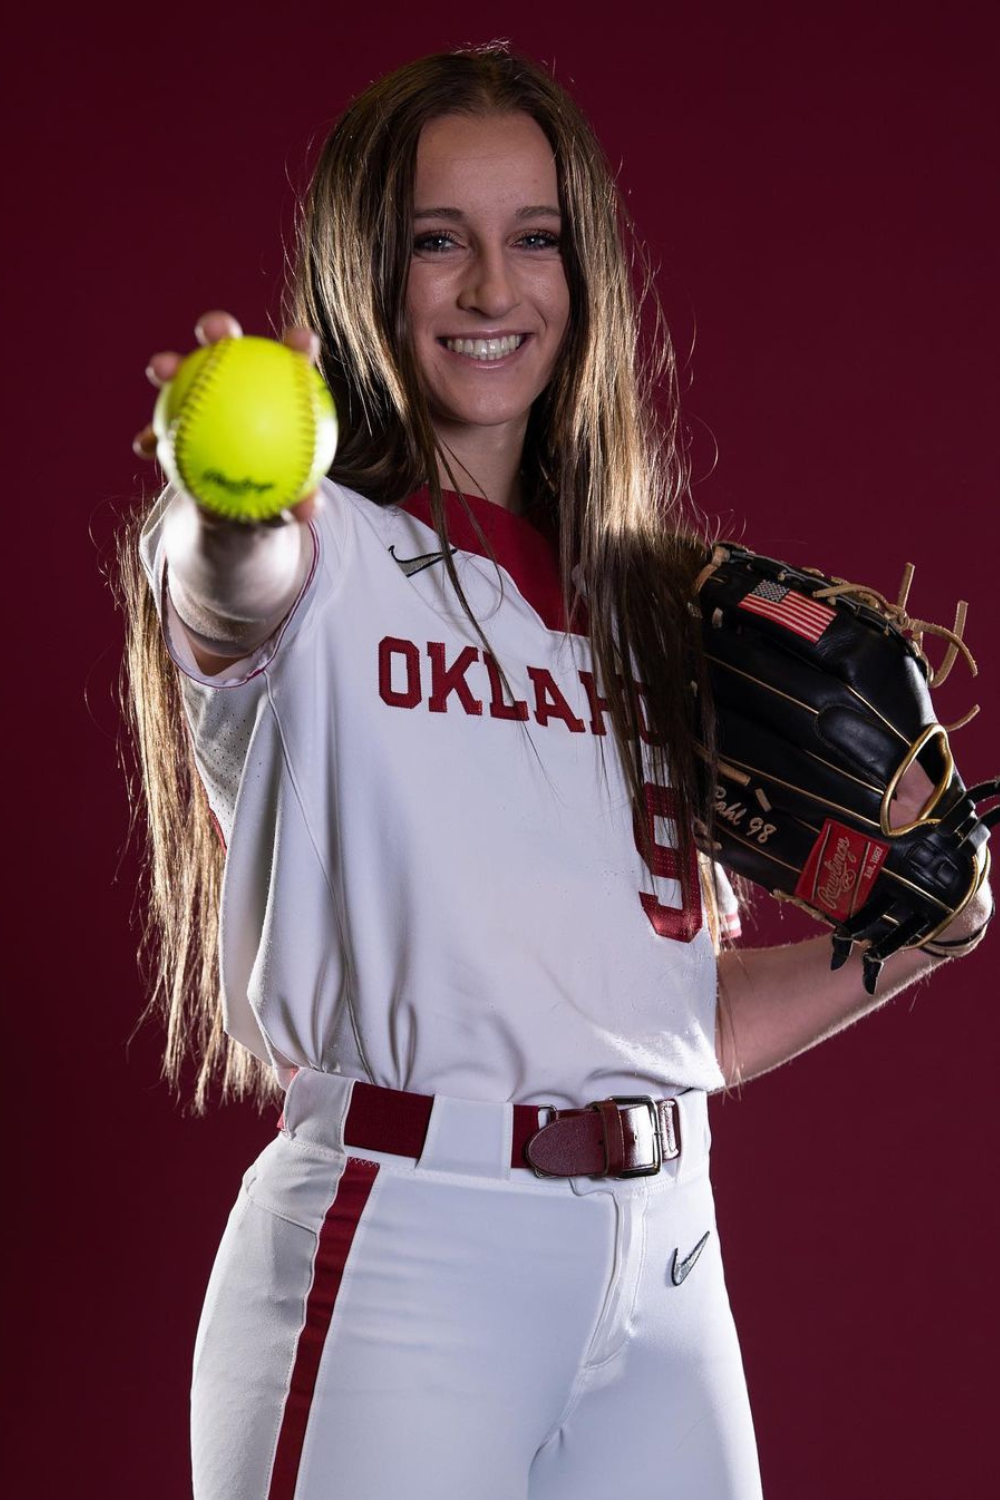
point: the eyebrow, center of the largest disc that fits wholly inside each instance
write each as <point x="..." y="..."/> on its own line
<point x="533" y="211"/>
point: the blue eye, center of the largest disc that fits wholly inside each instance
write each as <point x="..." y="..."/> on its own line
<point x="434" y="243"/>
<point x="543" y="239"/>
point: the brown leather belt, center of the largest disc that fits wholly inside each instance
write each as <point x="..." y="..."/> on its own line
<point x="621" y="1136"/>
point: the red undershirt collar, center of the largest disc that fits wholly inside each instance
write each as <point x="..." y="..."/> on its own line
<point x="528" y="555"/>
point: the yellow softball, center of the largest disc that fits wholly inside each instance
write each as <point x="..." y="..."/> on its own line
<point x="247" y="427"/>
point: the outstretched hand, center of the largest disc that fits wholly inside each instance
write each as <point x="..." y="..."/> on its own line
<point x="209" y="329"/>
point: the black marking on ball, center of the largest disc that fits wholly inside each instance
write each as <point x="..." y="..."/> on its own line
<point x="236" y="486"/>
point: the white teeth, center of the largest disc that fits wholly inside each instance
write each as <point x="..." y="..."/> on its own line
<point x="486" y="348"/>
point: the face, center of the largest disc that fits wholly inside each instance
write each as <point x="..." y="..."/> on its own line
<point x="487" y="299"/>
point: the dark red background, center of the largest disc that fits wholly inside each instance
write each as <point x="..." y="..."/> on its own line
<point x="819" y="187"/>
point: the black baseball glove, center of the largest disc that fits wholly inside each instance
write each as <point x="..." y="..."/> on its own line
<point x="822" y="703"/>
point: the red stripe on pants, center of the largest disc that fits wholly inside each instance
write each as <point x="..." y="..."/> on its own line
<point x="335" y="1240"/>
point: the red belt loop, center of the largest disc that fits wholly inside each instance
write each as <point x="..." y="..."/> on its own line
<point x="614" y="1136"/>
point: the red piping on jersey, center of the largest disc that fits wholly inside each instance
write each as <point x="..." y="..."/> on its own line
<point x="528" y="555"/>
<point x="218" y="830"/>
<point x="334" y="1246"/>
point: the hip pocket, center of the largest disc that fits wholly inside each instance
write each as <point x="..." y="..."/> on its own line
<point x="295" y="1180"/>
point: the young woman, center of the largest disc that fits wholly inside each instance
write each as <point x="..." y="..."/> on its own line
<point x="441" y="742"/>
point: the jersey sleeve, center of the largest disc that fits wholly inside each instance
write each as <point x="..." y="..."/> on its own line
<point x="727" y="905"/>
<point x="330" y="539"/>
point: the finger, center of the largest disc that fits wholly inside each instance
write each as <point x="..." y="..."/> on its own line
<point x="163" y="366"/>
<point x="304" y="340"/>
<point x="303" y="512"/>
<point x="913" y="797"/>
<point x="308" y="508"/>
<point x="216" y="325"/>
<point x="144" y="443"/>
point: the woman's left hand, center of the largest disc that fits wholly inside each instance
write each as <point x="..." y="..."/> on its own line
<point x="908" y="803"/>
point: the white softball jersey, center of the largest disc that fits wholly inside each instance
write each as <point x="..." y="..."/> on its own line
<point x="432" y="885"/>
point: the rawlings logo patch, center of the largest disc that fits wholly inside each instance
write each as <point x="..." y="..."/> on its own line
<point x="841" y="870"/>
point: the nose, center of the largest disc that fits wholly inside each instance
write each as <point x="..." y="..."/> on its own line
<point x="489" y="285"/>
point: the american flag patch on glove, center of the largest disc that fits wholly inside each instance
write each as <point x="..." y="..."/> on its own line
<point x="795" y="611"/>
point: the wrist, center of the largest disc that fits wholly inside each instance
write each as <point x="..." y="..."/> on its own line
<point x="228" y="580"/>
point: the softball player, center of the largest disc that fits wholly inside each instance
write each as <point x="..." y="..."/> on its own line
<point x="399" y="1299"/>
<point x="462" y="919"/>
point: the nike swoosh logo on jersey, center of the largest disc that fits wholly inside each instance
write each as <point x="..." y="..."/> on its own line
<point x="680" y="1269"/>
<point x="411" y="565"/>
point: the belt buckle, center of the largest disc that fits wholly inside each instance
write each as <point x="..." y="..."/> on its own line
<point x="650" y="1168"/>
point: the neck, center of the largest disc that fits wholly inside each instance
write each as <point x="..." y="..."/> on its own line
<point x="485" y="461"/>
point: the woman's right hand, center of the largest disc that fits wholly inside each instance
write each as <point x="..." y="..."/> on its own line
<point x="209" y="329"/>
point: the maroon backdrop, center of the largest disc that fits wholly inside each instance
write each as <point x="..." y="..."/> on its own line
<point x="818" y="187"/>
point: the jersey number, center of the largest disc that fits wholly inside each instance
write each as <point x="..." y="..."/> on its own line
<point x="678" y="922"/>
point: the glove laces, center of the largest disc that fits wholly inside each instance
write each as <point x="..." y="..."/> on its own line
<point x="915" y="630"/>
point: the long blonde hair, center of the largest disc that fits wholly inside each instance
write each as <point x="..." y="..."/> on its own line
<point x="600" y="466"/>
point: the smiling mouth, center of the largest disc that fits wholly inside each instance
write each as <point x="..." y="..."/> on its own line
<point x="487" y="350"/>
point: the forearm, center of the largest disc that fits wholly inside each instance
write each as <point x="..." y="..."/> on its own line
<point x="777" y="1002"/>
<point x="232" y="584"/>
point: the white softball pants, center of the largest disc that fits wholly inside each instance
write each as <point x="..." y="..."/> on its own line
<point x="455" y="1329"/>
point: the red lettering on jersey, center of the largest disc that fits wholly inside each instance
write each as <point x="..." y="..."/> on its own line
<point x="678" y="922"/>
<point x="598" y="705"/>
<point x="498" y="708"/>
<point x="446" y="680"/>
<point x="550" y="703"/>
<point x="409" y="696"/>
